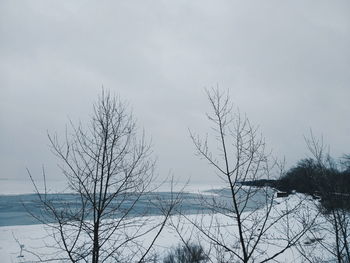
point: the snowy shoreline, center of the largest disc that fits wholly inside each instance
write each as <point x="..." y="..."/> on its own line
<point x="36" y="238"/>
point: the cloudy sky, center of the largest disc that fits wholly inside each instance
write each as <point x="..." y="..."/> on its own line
<point x="285" y="63"/>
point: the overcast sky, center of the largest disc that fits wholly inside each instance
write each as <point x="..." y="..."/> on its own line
<point x="285" y="63"/>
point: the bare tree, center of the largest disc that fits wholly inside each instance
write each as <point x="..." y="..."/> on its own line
<point x="110" y="171"/>
<point x="247" y="224"/>
<point x="331" y="234"/>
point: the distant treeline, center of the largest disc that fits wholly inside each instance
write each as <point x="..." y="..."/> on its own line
<point x="330" y="182"/>
<point x="310" y="177"/>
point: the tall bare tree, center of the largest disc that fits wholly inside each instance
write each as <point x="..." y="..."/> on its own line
<point x="248" y="224"/>
<point x="331" y="234"/>
<point x="110" y="170"/>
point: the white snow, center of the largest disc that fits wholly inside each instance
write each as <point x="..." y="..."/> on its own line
<point x="35" y="238"/>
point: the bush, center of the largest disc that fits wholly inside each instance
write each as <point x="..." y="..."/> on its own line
<point x="187" y="253"/>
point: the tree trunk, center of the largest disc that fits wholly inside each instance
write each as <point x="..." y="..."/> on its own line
<point x="96" y="249"/>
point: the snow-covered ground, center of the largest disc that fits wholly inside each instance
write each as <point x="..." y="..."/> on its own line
<point x="34" y="239"/>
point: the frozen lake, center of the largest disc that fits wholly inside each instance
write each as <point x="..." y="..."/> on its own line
<point x="15" y="208"/>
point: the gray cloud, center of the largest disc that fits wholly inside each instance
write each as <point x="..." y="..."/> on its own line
<point x="285" y="63"/>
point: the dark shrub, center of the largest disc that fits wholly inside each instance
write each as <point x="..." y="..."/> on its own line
<point x="188" y="253"/>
